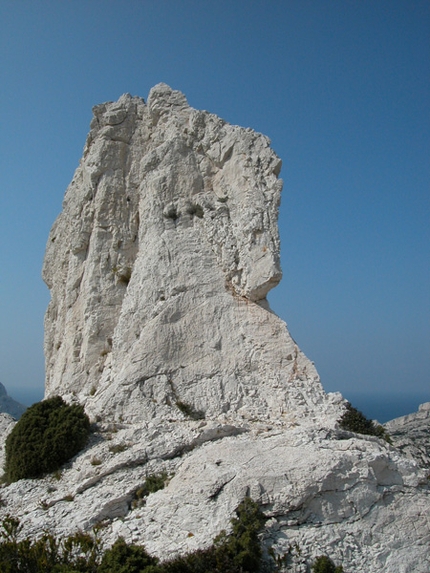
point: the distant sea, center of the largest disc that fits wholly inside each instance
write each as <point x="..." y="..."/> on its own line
<point x="26" y="396"/>
<point x="381" y="407"/>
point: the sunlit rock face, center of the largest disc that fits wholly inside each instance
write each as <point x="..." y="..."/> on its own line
<point x="159" y="266"/>
<point x="411" y="434"/>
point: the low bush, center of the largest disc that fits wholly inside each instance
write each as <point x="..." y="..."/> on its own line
<point x="47" y="435"/>
<point x="354" y="421"/>
<point x="242" y="548"/>
<point x="324" y="564"/>
<point x="125" y="558"/>
<point x="238" y="552"/>
<point x="78" y="553"/>
<point x="153" y="483"/>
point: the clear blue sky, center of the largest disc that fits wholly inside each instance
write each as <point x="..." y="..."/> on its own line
<point x="342" y="88"/>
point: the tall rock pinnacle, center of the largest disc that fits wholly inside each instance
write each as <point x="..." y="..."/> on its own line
<point x="159" y="266"/>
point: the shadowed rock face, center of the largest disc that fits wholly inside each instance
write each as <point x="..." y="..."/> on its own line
<point x="159" y="266"/>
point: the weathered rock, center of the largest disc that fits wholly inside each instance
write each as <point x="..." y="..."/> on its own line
<point x="158" y="268"/>
<point x="354" y="498"/>
<point x="411" y="435"/>
<point x="7" y="422"/>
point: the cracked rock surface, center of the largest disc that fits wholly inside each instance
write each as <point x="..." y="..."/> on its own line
<point x="411" y="434"/>
<point x="158" y="267"/>
<point x="323" y="491"/>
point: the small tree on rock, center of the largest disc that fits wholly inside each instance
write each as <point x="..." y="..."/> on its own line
<point x="354" y="421"/>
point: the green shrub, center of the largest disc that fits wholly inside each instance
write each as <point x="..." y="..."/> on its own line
<point x="78" y="553"/>
<point x="354" y="421"/>
<point x="27" y="556"/>
<point x="153" y="483"/>
<point x="125" y="558"/>
<point x="47" y="435"/>
<point x="238" y="552"/>
<point x="324" y="564"/>
<point x="200" y="561"/>
<point x="242" y="545"/>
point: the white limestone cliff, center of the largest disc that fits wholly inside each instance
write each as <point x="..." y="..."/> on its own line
<point x="158" y="267"/>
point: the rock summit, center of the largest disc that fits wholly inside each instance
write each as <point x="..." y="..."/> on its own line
<point x="159" y="266"/>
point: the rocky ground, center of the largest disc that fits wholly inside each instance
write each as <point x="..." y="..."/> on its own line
<point x="324" y="490"/>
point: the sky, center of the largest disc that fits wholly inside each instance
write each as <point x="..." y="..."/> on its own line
<point x="342" y="89"/>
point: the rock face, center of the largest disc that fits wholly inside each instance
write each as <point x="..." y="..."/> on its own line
<point x="7" y="422"/>
<point x="10" y="406"/>
<point x="411" y="434"/>
<point x="158" y="268"/>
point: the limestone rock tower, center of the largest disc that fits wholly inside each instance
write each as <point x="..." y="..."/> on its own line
<point x="159" y="266"/>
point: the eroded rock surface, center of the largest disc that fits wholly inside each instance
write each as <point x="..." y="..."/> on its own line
<point x="158" y="267"/>
<point x="324" y="491"/>
<point x="411" y="434"/>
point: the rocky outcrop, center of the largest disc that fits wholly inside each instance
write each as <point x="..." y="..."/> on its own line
<point x="352" y="497"/>
<point x="7" y="422"/>
<point x="10" y="406"/>
<point x="411" y="434"/>
<point x="159" y="266"/>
